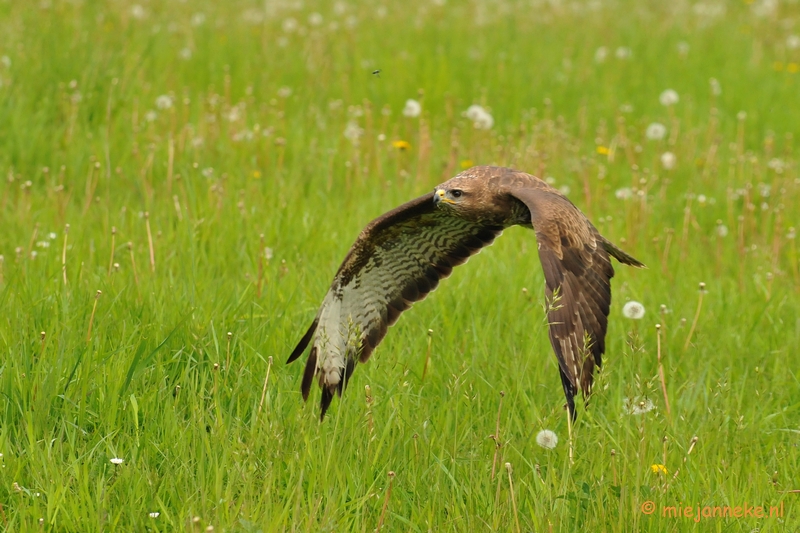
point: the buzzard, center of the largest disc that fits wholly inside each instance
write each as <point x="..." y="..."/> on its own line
<point x="401" y="256"/>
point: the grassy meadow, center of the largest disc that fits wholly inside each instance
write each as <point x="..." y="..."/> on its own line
<point x="181" y="179"/>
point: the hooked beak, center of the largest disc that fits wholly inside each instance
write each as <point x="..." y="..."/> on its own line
<point x="439" y="197"/>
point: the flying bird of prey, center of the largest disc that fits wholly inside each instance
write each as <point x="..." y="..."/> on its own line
<point x="401" y="256"/>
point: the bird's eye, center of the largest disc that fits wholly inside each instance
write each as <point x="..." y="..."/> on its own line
<point x="456" y="193"/>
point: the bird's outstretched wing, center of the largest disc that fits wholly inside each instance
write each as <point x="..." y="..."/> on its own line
<point x="397" y="260"/>
<point x="578" y="272"/>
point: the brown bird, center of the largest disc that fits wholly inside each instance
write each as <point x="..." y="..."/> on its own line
<point x="401" y="256"/>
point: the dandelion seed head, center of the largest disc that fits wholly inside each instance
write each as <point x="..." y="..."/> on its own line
<point x="624" y="193"/>
<point x="793" y="42"/>
<point x="716" y="88"/>
<point x="721" y="230"/>
<point x="668" y="160"/>
<point x="633" y="310"/>
<point x="315" y="19"/>
<point x="600" y="54"/>
<point x="480" y="117"/>
<point x="655" y="131"/>
<point x="289" y="25"/>
<point x="547" y="439"/>
<point x="623" y="52"/>
<point x="637" y="405"/>
<point x="353" y="132"/>
<point x="412" y="108"/>
<point x="150" y="116"/>
<point x="668" y="97"/>
<point x="164" y="101"/>
<point x="138" y="12"/>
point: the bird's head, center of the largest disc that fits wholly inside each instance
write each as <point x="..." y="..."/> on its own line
<point x="459" y="193"/>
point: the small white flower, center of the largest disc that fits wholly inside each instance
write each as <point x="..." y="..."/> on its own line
<point x="633" y="310"/>
<point x="547" y="439"/>
<point x="116" y="461"/>
<point x="268" y="253"/>
<point x="637" y="405"/>
<point x="655" y="131"/>
<point x="600" y="54"/>
<point x="138" y="12"/>
<point x="481" y="119"/>
<point x="412" y="108"/>
<point x="668" y="160"/>
<point x="43" y="244"/>
<point x="50" y="236"/>
<point x="716" y="88"/>
<point x="164" y="101"/>
<point x="155" y="514"/>
<point x="669" y="97"/>
<point x="624" y="193"/>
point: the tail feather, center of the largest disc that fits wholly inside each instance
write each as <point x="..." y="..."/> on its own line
<point x="301" y="346"/>
<point x="309" y="373"/>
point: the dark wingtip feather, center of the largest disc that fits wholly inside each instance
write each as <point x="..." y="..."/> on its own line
<point x="621" y="256"/>
<point x="309" y="372"/>
<point x="325" y="402"/>
<point x="301" y="346"/>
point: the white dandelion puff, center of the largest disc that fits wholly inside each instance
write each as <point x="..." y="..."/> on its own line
<point x="793" y="42"/>
<point x="164" y="101"/>
<point x="150" y="116"/>
<point x="669" y="97"/>
<point x="481" y="119"/>
<point x="315" y="19"/>
<point x="668" y="160"/>
<point x="353" y="132"/>
<point x="637" y="405"/>
<point x="138" y="12"/>
<point x="716" y="88"/>
<point x="624" y="193"/>
<point x="412" y="108"/>
<point x="722" y="230"/>
<point x="623" y="52"/>
<point x="633" y="310"/>
<point x="289" y="25"/>
<point x="198" y="19"/>
<point x="655" y="131"/>
<point x="547" y="439"/>
<point x="600" y="54"/>
<point x="116" y="461"/>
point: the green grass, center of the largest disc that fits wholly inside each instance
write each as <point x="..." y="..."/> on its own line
<point x="152" y="384"/>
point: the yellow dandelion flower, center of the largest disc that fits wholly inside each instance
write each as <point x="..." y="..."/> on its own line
<point x="792" y="68"/>
<point x="777" y="66"/>
<point x="658" y="469"/>
<point x="256" y="174"/>
<point x="602" y="150"/>
<point x="401" y="145"/>
<point x="466" y="163"/>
